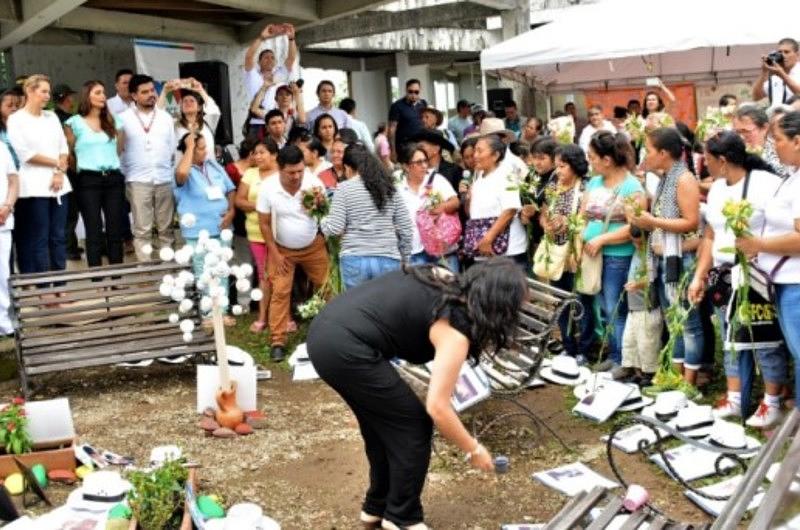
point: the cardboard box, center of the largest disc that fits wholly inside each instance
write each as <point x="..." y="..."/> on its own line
<point x="62" y="458"/>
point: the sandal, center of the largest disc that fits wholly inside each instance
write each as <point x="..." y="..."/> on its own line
<point x="258" y="326"/>
<point x="291" y="327"/>
<point x="228" y="321"/>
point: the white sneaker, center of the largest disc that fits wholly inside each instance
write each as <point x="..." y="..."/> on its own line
<point x="370" y="522"/>
<point x="765" y="417"/>
<point x="725" y="409"/>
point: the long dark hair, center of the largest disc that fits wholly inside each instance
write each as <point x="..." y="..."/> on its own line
<point x="492" y="292"/>
<point x="201" y="113"/>
<point x="85" y="106"/>
<point x="373" y="173"/>
<point x="615" y="146"/>
<point x="318" y="121"/>
<point x="661" y="105"/>
<point x="732" y="147"/>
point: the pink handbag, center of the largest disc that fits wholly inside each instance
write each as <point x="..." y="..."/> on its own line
<point x="438" y="233"/>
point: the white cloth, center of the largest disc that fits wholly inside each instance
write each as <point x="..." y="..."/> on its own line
<point x="415" y="200"/>
<point x="589" y="130"/>
<point x="6" y="326"/>
<point x="759" y="193"/>
<point x="363" y="133"/>
<point x="212" y="114"/>
<point x="491" y="197"/>
<point x="7" y="168"/>
<point x="37" y="135"/>
<point x="778" y="86"/>
<point x="117" y="105"/>
<point x="783" y="211"/>
<point x="148" y="156"/>
<point x="341" y="118"/>
<point x="253" y="81"/>
<point x="514" y="166"/>
<point x="295" y="229"/>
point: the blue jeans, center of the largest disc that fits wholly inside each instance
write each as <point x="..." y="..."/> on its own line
<point x="615" y="275"/>
<point x="39" y="233"/>
<point x="199" y="265"/>
<point x="423" y="258"/>
<point x="787" y="301"/>
<point x="358" y="269"/>
<point x="771" y="360"/>
<point x="689" y="347"/>
<point x="584" y="325"/>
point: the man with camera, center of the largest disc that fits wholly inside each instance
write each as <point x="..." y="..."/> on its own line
<point x="780" y="74"/>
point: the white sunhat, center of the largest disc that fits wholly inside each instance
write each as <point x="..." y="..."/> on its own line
<point x="635" y="400"/>
<point x="101" y="491"/>
<point x="695" y="422"/>
<point x="668" y="404"/>
<point x="729" y="435"/>
<point x="564" y="370"/>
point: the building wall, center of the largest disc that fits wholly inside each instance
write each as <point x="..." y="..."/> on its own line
<point x="371" y="92"/>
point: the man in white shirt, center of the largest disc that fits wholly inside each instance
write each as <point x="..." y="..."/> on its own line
<point x="267" y="70"/>
<point x="779" y="80"/>
<point x="325" y="93"/>
<point x="349" y="106"/>
<point x="460" y="121"/>
<point x="596" y="123"/>
<point x="293" y="241"/>
<point x="122" y="101"/>
<point x="147" y="162"/>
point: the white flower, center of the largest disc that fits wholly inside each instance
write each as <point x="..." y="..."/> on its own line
<point x="237" y="310"/>
<point x="174" y="318"/>
<point x="177" y="294"/>
<point x="187" y="337"/>
<point x="226" y="253"/>
<point x="243" y="285"/>
<point x="187" y="326"/>
<point x="168" y="279"/>
<point x="226" y="234"/>
<point x="256" y="295"/>
<point x="188" y="220"/>
<point x="206" y="304"/>
<point x="180" y="283"/>
<point x="236" y="270"/>
<point x="182" y="258"/>
<point x="247" y="270"/>
<point x="165" y="289"/>
<point x="185" y="306"/>
<point x="211" y="260"/>
<point x="166" y="254"/>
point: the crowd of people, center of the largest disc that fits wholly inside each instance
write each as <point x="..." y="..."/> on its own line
<point x="630" y="209"/>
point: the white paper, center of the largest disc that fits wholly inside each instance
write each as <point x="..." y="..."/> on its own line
<point x="522" y="527"/>
<point x="64" y="518"/>
<point x="772" y="472"/>
<point x="300" y="353"/>
<point x="208" y="384"/>
<point x="601" y="404"/>
<point x="627" y="440"/>
<point x="49" y="421"/>
<point x="304" y="371"/>
<point x="722" y="489"/>
<point x="472" y="387"/>
<point x="573" y="479"/>
<point x="692" y="463"/>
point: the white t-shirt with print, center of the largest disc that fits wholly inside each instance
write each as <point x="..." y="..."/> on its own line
<point x="783" y="210"/>
<point x="414" y="202"/>
<point x="760" y="192"/>
<point x="295" y="228"/>
<point x="778" y="86"/>
<point x="491" y="196"/>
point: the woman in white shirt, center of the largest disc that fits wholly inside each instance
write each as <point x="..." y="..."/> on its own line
<point x="418" y="183"/>
<point x="199" y="111"/>
<point x="41" y="211"/>
<point x="778" y="249"/>
<point x="739" y="175"/>
<point x="493" y="203"/>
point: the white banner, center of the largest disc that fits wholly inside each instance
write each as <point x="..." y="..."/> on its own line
<point x="160" y="59"/>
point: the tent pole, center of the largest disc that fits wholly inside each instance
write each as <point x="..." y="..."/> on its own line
<point x="483" y="90"/>
<point x="548" y="105"/>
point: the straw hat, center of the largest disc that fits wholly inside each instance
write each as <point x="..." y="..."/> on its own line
<point x="101" y="491"/>
<point x="496" y="126"/>
<point x="695" y="422"/>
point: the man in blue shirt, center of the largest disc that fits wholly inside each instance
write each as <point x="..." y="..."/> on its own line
<point x="405" y="116"/>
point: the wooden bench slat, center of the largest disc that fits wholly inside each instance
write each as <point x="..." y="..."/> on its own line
<point x="563" y="512"/>
<point x="80" y="334"/>
<point x="99" y="339"/>
<point x="153" y="278"/>
<point x="55" y="331"/>
<point x="115" y="359"/>
<point x="581" y="509"/>
<point x="659" y="523"/>
<point x="607" y="515"/>
<point x="163" y="305"/>
<point x="154" y="344"/>
<point x="88" y="295"/>
<point x="635" y="520"/>
<point x="31" y="316"/>
<point x="127" y="269"/>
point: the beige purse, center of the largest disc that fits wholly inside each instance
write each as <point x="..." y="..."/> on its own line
<point x="591" y="279"/>
<point x="550" y="259"/>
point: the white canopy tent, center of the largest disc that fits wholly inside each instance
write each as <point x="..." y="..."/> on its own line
<point x="623" y="42"/>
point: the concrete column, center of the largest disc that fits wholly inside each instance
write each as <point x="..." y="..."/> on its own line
<point x="371" y="91"/>
<point x="515" y="22"/>
<point x="406" y="72"/>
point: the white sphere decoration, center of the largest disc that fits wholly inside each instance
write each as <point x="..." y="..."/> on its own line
<point x="180" y="283"/>
<point x="165" y="289"/>
<point x="220" y="291"/>
<point x="222" y="270"/>
<point x="188" y="220"/>
<point x="223" y="301"/>
<point x="200" y="248"/>
<point x="206" y="304"/>
<point x="256" y="295"/>
<point x="205" y="277"/>
<point x="168" y="279"/>
<point x="174" y="318"/>
<point x="185" y="306"/>
<point x="147" y="249"/>
<point x="227" y="253"/>
<point x="226" y="234"/>
<point x="188" y="278"/>
<point x="247" y="269"/>
<point x="211" y="260"/>
<point x="203" y="235"/>
<point x="187" y="337"/>
<point x="201" y="285"/>
<point x="187" y="326"/>
<point x="236" y="270"/>
<point x="178" y="294"/>
<point x="213" y="245"/>
<point x="182" y="258"/>
<point x="243" y="285"/>
<point x="166" y="254"/>
<point x="237" y="310"/>
<point x="189" y="249"/>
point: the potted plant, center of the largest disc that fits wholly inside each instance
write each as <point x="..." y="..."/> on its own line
<point x="157" y="497"/>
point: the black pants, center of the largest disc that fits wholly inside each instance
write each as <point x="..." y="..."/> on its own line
<point x="101" y="196"/>
<point x="397" y="430"/>
<point x="72" y="219"/>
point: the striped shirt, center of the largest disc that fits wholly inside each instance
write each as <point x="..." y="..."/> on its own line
<point x="365" y="230"/>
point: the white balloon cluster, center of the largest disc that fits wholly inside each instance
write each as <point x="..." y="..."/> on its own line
<point x="215" y="258"/>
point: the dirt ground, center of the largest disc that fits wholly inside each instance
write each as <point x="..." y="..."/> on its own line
<point x="308" y="470"/>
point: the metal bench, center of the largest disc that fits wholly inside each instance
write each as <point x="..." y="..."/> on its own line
<point x="107" y="315"/>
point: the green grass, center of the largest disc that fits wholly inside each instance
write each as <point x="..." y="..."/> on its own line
<point x="257" y="344"/>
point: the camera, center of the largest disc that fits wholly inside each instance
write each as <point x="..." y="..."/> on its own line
<point x="300" y="82"/>
<point x="775" y="57"/>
